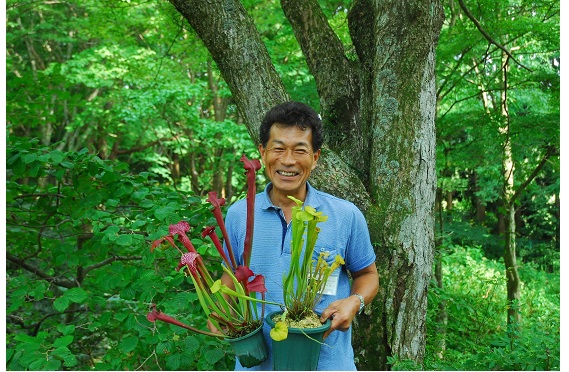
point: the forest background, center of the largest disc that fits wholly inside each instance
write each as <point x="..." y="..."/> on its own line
<point x="118" y="124"/>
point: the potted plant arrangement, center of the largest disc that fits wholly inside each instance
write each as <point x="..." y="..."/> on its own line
<point x="231" y="311"/>
<point x="297" y="331"/>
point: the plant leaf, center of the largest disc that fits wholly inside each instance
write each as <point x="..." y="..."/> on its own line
<point x="279" y="332"/>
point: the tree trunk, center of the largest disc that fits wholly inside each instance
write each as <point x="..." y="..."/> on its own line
<point x="378" y="112"/>
<point x="442" y="314"/>
<point x="512" y="276"/>
<point x="477" y="204"/>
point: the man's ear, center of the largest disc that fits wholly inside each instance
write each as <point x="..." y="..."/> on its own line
<point x="261" y="151"/>
<point x="316" y="157"/>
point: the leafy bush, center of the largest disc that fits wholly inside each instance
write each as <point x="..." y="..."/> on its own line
<point x="80" y="274"/>
<point x="476" y="335"/>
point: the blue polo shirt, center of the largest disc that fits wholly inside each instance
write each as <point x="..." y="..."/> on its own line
<point x="345" y="233"/>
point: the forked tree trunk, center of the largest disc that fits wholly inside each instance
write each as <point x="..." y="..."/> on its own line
<point x="378" y="110"/>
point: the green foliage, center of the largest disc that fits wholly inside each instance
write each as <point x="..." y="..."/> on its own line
<point x="80" y="275"/>
<point x="476" y="334"/>
<point x="117" y="79"/>
<point x="471" y="124"/>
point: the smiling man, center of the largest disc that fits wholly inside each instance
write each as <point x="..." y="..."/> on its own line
<point x="291" y="139"/>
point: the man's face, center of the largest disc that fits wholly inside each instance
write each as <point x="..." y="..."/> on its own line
<point x="289" y="159"/>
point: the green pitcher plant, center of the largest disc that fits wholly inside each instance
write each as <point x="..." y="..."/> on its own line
<point x="305" y="280"/>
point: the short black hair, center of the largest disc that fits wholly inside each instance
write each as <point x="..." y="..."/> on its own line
<point x="289" y="114"/>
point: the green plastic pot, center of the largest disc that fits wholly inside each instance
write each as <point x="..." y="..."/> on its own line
<point x="300" y="350"/>
<point x="251" y="349"/>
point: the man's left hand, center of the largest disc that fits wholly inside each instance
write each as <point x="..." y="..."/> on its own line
<point x="342" y="312"/>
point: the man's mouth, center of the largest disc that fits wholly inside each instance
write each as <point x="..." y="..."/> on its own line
<point x="287" y="174"/>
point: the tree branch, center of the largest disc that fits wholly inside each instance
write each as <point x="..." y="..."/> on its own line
<point x="231" y="37"/>
<point x="34" y="270"/>
<point x="62" y="282"/>
<point x="109" y="261"/>
<point x="551" y="151"/>
<point x="36" y="326"/>
<point x="323" y="50"/>
<point x="487" y="36"/>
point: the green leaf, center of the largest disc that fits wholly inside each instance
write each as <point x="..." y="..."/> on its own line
<point x="28" y="158"/>
<point x="105" y="317"/>
<point x="39" y="291"/>
<point x="112" y="202"/>
<point x="186" y="361"/>
<point x="64" y="353"/>
<point x="164" y="347"/>
<point x="121" y="316"/>
<point x="57" y="156"/>
<point x="9" y="353"/>
<point x="27" y="339"/>
<point x="77" y="295"/>
<point x="93" y="326"/>
<point x="173" y="362"/>
<point x="61" y="303"/>
<point x="16" y="303"/>
<point x="59" y="175"/>
<point x="213" y="356"/>
<point x="125" y="239"/>
<point x="128" y="344"/>
<point x="147" y="203"/>
<point x="34" y="169"/>
<point x="140" y="194"/>
<point x="163" y="213"/>
<point x="42" y="364"/>
<point x="13" y="159"/>
<point x="63" y="341"/>
<point x="66" y="329"/>
<point x="191" y="344"/>
<point x="67" y="164"/>
<point x="125" y="189"/>
<point x="111" y="232"/>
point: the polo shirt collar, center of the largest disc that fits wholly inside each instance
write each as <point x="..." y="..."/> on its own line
<point x="312" y="197"/>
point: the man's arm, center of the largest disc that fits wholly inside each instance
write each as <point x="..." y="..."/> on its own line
<point x="343" y="311"/>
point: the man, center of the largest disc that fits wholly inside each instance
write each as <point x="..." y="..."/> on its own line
<point x="291" y="140"/>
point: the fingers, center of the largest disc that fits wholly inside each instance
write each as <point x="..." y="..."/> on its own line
<point x="340" y="315"/>
<point x="211" y="327"/>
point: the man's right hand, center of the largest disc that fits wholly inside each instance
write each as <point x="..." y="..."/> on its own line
<point x="213" y="328"/>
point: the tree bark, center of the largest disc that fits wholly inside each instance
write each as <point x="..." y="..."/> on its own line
<point x="510" y="260"/>
<point x="442" y="314"/>
<point x="378" y="111"/>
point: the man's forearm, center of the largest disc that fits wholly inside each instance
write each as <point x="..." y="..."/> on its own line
<point x="366" y="283"/>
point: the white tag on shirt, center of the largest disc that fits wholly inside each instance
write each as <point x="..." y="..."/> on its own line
<point x="331" y="287"/>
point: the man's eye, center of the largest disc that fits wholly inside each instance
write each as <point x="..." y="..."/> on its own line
<point x="301" y="152"/>
<point x="278" y="149"/>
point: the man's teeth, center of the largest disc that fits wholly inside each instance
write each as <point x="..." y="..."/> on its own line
<point x="287" y="174"/>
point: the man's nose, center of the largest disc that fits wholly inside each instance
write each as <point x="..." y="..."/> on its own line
<point x="288" y="157"/>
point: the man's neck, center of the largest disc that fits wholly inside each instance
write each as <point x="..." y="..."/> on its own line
<point x="282" y="200"/>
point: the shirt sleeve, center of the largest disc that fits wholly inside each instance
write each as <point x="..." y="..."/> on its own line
<point x="359" y="253"/>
